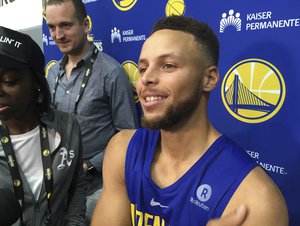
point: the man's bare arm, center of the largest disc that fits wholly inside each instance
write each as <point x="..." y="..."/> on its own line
<point x="235" y="218"/>
<point x="265" y="203"/>
<point x="113" y="207"/>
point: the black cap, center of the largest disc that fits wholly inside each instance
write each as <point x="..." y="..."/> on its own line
<point x="18" y="50"/>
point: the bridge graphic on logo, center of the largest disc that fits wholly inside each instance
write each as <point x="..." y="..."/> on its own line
<point x="253" y="90"/>
<point x="238" y="96"/>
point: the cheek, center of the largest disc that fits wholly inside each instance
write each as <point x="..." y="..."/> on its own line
<point x="78" y="33"/>
<point x="26" y="95"/>
<point x="24" y="99"/>
<point x="182" y="88"/>
<point x="138" y="85"/>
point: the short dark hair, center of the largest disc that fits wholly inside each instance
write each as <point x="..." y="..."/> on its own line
<point x="200" y="30"/>
<point x="80" y="10"/>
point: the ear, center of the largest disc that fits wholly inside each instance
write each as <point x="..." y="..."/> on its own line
<point x="211" y="78"/>
<point x="87" y="25"/>
<point x="36" y="85"/>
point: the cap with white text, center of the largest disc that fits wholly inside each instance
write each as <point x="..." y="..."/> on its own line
<point x="18" y="50"/>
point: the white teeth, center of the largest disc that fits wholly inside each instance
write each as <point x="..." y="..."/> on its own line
<point x="152" y="99"/>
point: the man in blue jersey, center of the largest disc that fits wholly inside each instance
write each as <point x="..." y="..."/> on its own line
<point x="179" y="170"/>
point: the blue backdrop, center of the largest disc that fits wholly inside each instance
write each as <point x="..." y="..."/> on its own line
<point x="257" y="100"/>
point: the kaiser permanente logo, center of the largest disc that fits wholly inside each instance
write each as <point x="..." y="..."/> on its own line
<point x="5" y="2"/>
<point x="124" y="5"/>
<point x="230" y="20"/>
<point x="254" y="21"/>
<point x="253" y="90"/>
<point x="48" y="41"/>
<point x="125" y="36"/>
<point x="267" y="166"/>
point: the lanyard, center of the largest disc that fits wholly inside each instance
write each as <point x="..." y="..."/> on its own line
<point x="85" y="80"/>
<point x="14" y="169"/>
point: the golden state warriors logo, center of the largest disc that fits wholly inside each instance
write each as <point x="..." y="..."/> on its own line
<point x="44" y="12"/>
<point x="90" y="36"/>
<point x="131" y="69"/>
<point x="48" y="66"/>
<point x="124" y="5"/>
<point x="175" y="7"/>
<point x="253" y="90"/>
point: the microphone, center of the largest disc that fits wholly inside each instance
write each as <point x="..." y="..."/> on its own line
<point x="10" y="209"/>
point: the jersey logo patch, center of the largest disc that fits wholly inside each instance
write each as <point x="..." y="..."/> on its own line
<point x="155" y="203"/>
<point x="203" y="194"/>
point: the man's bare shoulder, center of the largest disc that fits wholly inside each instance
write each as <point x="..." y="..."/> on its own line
<point x="122" y="138"/>
<point x="117" y="146"/>
<point x="262" y="197"/>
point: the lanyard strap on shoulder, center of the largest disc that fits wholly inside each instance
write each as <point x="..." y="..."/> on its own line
<point x="85" y="80"/>
<point x="47" y="164"/>
<point x="12" y="163"/>
<point x="14" y="169"/>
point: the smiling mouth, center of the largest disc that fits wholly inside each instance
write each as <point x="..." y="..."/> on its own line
<point x="154" y="98"/>
<point x="62" y="43"/>
<point x="3" y="108"/>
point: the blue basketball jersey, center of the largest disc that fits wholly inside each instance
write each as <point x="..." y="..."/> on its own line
<point x="200" y="194"/>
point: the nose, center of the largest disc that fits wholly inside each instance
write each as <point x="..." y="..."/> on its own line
<point x="150" y="77"/>
<point x="2" y="93"/>
<point x="58" y="33"/>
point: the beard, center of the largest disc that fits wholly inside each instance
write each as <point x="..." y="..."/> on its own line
<point x="175" y="114"/>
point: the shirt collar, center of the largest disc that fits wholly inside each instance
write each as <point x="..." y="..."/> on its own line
<point x="83" y="61"/>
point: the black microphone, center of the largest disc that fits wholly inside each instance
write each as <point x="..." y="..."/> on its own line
<point x="10" y="209"/>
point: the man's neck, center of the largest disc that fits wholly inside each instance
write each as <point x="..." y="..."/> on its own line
<point x="177" y="151"/>
<point x="190" y="137"/>
<point x="73" y="59"/>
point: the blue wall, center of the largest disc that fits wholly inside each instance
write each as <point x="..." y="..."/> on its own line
<point x="257" y="100"/>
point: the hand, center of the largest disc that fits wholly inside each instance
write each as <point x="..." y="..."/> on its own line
<point x="235" y="218"/>
<point x="85" y="167"/>
<point x="88" y="167"/>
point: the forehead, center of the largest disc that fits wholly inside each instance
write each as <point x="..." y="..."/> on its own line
<point x="170" y="42"/>
<point x="19" y="72"/>
<point x="60" y="12"/>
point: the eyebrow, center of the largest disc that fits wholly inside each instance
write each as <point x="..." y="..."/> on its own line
<point x="163" y="56"/>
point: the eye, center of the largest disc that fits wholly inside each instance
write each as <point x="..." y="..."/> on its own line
<point x="9" y="78"/>
<point x="51" y="28"/>
<point x="142" y="70"/>
<point x="9" y="82"/>
<point x="169" y="67"/>
<point x="66" y="26"/>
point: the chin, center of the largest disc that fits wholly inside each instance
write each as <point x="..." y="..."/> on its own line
<point x="4" y="118"/>
<point x="64" y="49"/>
<point x="153" y="122"/>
